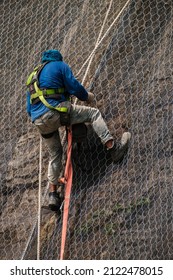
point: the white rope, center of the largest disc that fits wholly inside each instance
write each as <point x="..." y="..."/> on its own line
<point x="89" y="61"/>
<point x="97" y="42"/>
<point x="107" y="32"/>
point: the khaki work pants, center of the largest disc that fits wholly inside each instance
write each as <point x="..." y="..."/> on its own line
<point x="50" y="122"/>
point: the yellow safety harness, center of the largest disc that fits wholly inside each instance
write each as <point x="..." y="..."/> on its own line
<point x="37" y="94"/>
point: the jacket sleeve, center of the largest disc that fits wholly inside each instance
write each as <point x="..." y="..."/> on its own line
<point x="28" y="105"/>
<point x="72" y="86"/>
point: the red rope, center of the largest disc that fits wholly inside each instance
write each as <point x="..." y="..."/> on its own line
<point x="68" y="184"/>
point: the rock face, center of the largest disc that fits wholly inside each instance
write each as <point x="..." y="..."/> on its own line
<point x="117" y="211"/>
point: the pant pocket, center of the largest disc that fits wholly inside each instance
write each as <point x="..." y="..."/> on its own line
<point x="48" y="123"/>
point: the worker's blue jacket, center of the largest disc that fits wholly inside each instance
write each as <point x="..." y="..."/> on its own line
<point x="55" y="74"/>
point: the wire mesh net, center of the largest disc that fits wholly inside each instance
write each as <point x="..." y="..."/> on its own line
<point x="121" y="211"/>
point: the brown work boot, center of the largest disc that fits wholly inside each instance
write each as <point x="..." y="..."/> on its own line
<point x="54" y="198"/>
<point x="118" y="151"/>
<point x="54" y="201"/>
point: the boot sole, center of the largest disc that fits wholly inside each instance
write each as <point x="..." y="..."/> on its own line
<point x="54" y="207"/>
<point x="125" y="138"/>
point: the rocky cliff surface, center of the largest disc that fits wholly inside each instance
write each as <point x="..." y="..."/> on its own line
<point x="117" y="212"/>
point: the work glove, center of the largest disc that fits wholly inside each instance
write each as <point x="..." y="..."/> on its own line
<point x="90" y="97"/>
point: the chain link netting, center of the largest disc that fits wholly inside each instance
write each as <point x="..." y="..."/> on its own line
<point x="121" y="211"/>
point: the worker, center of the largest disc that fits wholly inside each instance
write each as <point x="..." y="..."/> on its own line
<point x="49" y="88"/>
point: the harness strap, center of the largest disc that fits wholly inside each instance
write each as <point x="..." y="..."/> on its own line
<point x="35" y="92"/>
<point x="43" y="100"/>
<point x="49" y="93"/>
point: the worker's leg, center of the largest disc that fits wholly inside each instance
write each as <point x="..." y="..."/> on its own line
<point x="46" y="126"/>
<point x="55" y="157"/>
<point x="92" y="115"/>
<point x="82" y="114"/>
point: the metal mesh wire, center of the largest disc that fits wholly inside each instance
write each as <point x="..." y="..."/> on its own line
<point x="117" y="211"/>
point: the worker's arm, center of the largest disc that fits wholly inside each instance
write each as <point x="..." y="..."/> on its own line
<point x="72" y="86"/>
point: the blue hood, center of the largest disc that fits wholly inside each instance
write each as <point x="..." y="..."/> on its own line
<point x="51" y="55"/>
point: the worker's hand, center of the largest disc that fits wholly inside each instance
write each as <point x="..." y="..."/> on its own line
<point x="90" y="97"/>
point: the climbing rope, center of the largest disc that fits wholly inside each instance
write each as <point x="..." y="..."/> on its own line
<point x="89" y="61"/>
<point x="97" y="43"/>
<point x="68" y="176"/>
<point x="101" y="40"/>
